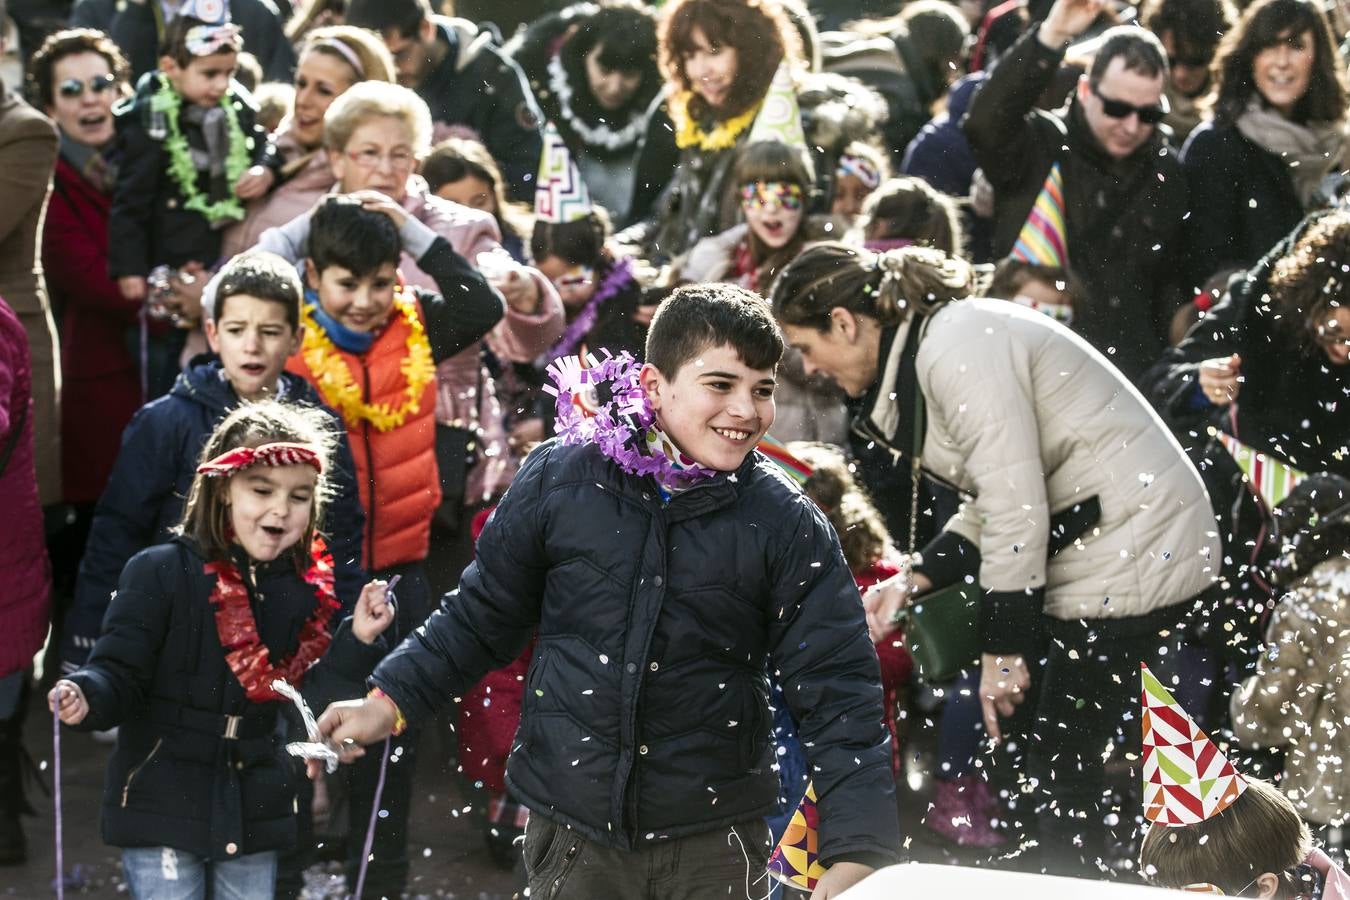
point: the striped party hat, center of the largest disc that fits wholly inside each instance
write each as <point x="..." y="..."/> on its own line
<point x="1042" y="239"/>
<point x="777" y="451"/>
<point x="780" y="118"/>
<point x="560" y="195"/>
<point x="1186" y="778"/>
<point x="1271" y="479"/>
<point x="796" y="859"/>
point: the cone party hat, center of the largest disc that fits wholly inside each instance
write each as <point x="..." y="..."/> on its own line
<point x="1186" y="778"/>
<point x="1042" y="240"/>
<point x="1271" y="479"/>
<point x="560" y="195"/>
<point x="777" y="451"/>
<point x="796" y="859"/>
<point x="780" y="118"/>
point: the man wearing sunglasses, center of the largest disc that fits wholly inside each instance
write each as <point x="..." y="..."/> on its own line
<point x="1124" y="196"/>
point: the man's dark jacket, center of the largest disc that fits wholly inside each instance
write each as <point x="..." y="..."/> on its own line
<point x="1123" y="217"/>
<point x="478" y="87"/>
<point x="149" y="485"/>
<point x="646" y="710"/>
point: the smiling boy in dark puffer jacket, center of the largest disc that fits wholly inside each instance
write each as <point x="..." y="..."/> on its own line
<point x="662" y="601"/>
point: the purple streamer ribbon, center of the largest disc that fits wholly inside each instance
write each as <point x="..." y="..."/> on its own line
<point x="56" y="792"/>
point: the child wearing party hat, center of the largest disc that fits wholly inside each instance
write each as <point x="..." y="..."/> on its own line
<point x="775" y="176"/>
<point x="192" y="151"/>
<point x="1212" y="830"/>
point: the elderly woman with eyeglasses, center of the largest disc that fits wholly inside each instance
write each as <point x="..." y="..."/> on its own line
<point x="374" y="134"/>
<point x="75" y="77"/>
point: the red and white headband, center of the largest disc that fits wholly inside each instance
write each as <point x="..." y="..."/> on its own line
<point x="281" y="453"/>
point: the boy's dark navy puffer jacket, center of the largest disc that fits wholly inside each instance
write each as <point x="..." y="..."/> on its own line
<point x="646" y="712"/>
<point x="149" y="485"/>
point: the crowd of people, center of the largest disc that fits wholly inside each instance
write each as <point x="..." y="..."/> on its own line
<point x="632" y="380"/>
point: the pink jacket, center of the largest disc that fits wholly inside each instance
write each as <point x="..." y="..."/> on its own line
<point x="24" y="570"/>
<point x="296" y="195"/>
<point x="466" y="394"/>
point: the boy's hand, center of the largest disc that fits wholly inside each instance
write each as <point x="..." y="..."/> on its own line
<point x="255" y="182"/>
<point x="352" y="724"/>
<point x="377" y="202"/>
<point x="838" y="878"/>
<point x="133" y="287"/>
<point x="1004" y="682"/>
<point x="373" y="612"/>
<point x="67" y="702"/>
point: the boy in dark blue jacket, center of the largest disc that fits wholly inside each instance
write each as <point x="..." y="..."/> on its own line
<point x="254" y="329"/>
<point x="668" y="568"/>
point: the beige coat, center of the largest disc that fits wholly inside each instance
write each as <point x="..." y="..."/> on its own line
<point x="1026" y="419"/>
<point x="27" y="159"/>
<point x="1299" y="697"/>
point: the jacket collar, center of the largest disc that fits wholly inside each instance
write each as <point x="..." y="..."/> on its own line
<point x="718" y="492"/>
<point x="884" y="404"/>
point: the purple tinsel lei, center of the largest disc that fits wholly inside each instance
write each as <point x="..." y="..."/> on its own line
<point x="618" y="427"/>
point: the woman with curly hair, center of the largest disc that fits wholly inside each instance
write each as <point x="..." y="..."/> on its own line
<point x="1270" y="363"/>
<point x="718" y="58"/>
<point x="593" y="69"/>
<point x="1276" y="139"/>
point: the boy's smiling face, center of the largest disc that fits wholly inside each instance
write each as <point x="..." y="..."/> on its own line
<point x="203" y="81"/>
<point x="359" y="302"/>
<point x="253" y="340"/>
<point x="716" y="408"/>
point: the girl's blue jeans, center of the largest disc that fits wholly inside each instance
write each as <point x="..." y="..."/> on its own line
<point x="163" y="873"/>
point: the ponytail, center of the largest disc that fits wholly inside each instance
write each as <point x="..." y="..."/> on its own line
<point x="887" y="287"/>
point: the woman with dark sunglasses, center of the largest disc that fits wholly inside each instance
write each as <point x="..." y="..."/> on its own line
<point x="75" y="78"/>
<point x="1276" y="143"/>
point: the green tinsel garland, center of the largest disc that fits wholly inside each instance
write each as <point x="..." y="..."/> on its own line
<point x="181" y="169"/>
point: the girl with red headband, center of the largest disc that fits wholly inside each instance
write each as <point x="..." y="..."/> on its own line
<point x="200" y="630"/>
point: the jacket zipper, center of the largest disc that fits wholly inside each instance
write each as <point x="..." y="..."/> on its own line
<point x="370" y="473"/>
<point x="131" y="776"/>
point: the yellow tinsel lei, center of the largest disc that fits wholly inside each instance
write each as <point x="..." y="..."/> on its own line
<point x="689" y="134"/>
<point x="334" y="379"/>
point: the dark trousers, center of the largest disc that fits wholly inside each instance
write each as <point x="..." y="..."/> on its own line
<point x="387" y="871"/>
<point x="725" y="862"/>
<point x="1086" y="715"/>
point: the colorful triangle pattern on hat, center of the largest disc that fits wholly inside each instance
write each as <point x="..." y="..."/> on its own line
<point x="1271" y="479"/>
<point x="1043" y="239"/>
<point x="780" y="118"/>
<point x="796" y="859"/>
<point x="560" y="196"/>
<point x="1186" y="778"/>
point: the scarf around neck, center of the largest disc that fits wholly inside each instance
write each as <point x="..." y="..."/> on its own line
<point x="1311" y="151"/>
<point x="357" y="342"/>
<point x="93" y="163"/>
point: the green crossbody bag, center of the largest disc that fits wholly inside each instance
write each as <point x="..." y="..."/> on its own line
<point x="942" y="627"/>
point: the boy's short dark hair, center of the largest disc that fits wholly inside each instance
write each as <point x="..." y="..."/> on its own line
<point x="262" y="275"/>
<point x="402" y="17"/>
<point x="343" y="233"/>
<point x="1260" y="832"/>
<point x="698" y="316"/>
<point x="581" y="242"/>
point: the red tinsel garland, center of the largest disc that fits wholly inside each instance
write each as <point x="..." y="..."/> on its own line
<point x="245" y="652"/>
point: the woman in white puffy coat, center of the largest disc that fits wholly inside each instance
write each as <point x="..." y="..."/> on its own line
<point x="1087" y="527"/>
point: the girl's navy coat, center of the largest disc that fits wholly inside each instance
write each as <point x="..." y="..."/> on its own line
<point x="159" y="672"/>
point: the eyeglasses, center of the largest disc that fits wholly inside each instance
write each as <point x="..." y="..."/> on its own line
<point x="1119" y="109"/>
<point x="371" y="159"/>
<point x="74" y="87"/>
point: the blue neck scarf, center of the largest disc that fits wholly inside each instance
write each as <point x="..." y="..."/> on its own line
<point x="339" y="334"/>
